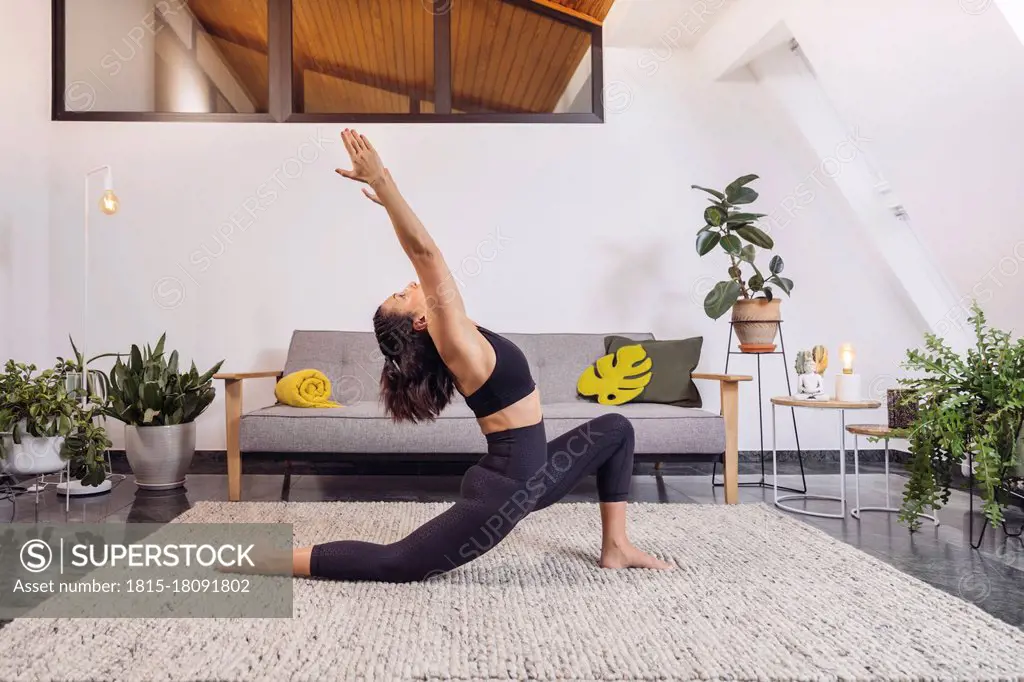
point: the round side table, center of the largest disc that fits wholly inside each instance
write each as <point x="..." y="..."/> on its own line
<point x="840" y="406"/>
<point x="885" y="433"/>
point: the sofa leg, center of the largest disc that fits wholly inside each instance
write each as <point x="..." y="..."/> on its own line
<point x="233" y="414"/>
<point x="286" y="484"/>
<point x="657" y="469"/>
<point x="730" y="414"/>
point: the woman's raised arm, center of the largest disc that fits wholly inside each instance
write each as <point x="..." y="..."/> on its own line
<point x="444" y="301"/>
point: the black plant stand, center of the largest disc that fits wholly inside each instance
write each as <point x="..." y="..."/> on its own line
<point x="970" y="514"/>
<point x="760" y="413"/>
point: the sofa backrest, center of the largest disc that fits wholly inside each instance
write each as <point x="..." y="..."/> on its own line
<point x="557" y="360"/>
<point x="353" y="362"/>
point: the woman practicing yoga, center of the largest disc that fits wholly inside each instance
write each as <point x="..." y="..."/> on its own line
<point x="430" y="350"/>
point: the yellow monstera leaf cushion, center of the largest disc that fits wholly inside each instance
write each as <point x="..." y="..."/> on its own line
<point x="617" y="378"/>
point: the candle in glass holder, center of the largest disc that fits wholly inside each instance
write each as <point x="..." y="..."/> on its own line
<point x="847" y="384"/>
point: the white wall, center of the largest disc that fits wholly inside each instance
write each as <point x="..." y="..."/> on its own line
<point x="947" y="115"/>
<point x="230" y="236"/>
<point x="936" y="86"/>
<point x="24" y="182"/>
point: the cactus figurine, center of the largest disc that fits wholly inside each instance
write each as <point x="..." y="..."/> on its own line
<point x="820" y="354"/>
<point x="801" y="361"/>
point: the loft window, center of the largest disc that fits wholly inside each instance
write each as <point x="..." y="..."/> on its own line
<point x="328" y="60"/>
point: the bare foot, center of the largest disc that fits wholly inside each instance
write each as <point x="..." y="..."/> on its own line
<point x="629" y="556"/>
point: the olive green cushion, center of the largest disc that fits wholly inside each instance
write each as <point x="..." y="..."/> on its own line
<point x="673" y="363"/>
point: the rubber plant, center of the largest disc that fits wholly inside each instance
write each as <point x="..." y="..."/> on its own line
<point x="733" y="230"/>
<point x="968" y="406"/>
<point x="149" y="390"/>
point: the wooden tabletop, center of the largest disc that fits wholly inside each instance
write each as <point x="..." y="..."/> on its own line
<point x="876" y="431"/>
<point x="830" y="404"/>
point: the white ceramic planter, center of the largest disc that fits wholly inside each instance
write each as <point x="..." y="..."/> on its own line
<point x="33" y="456"/>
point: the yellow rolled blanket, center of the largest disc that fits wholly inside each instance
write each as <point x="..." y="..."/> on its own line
<point x="305" y="388"/>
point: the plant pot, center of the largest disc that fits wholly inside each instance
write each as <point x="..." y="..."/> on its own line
<point x="901" y="408"/>
<point x="33" y="456"/>
<point x="756" y="322"/>
<point x="73" y="382"/>
<point x="160" y="455"/>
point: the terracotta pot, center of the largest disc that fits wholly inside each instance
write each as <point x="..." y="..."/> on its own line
<point x="756" y="322"/>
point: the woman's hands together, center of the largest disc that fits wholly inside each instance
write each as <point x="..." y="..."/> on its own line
<point x="366" y="164"/>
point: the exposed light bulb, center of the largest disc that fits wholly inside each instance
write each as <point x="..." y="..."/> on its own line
<point x="109" y="203"/>
<point x="847" y="354"/>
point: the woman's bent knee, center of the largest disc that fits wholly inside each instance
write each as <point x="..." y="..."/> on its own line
<point x="615" y="423"/>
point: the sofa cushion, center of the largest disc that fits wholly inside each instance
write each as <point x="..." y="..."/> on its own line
<point x="659" y="429"/>
<point x="362" y="427"/>
<point x="674" y="361"/>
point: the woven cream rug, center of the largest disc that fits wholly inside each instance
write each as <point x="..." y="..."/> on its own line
<point x="756" y="595"/>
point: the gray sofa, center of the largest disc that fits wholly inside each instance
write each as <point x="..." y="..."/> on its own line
<point x="352" y="362"/>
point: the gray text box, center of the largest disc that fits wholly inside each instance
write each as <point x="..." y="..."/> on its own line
<point x="145" y="570"/>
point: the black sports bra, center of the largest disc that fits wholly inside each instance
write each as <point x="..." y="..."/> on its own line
<point x="510" y="381"/>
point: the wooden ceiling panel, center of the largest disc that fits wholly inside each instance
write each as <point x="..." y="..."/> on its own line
<point x="505" y="58"/>
<point x="383" y="45"/>
<point x="572" y="48"/>
<point x="325" y="94"/>
<point x="598" y="9"/>
<point x="240" y="21"/>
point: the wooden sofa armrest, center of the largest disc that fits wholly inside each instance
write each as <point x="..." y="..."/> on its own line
<point x="238" y="376"/>
<point x="729" y="391"/>
<point x="233" y="423"/>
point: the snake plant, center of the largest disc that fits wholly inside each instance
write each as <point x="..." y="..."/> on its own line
<point x="149" y="390"/>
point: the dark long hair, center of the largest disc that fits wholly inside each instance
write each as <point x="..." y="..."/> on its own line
<point x="415" y="384"/>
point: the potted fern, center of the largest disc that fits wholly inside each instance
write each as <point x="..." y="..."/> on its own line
<point x="968" y="406"/>
<point x="158" y="405"/>
<point x="748" y="292"/>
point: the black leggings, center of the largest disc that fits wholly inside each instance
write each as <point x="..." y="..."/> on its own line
<point x="520" y="474"/>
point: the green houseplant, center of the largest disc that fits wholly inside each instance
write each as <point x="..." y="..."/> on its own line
<point x="48" y="425"/>
<point x="158" y="405"/>
<point x="74" y="369"/>
<point x="748" y="292"/>
<point x="968" y="406"/>
<point x="86" y="446"/>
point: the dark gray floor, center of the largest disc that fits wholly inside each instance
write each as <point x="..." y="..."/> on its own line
<point x="992" y="577"/>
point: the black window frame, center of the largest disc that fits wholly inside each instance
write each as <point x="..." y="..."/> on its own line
<point x="281" y="93"/>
